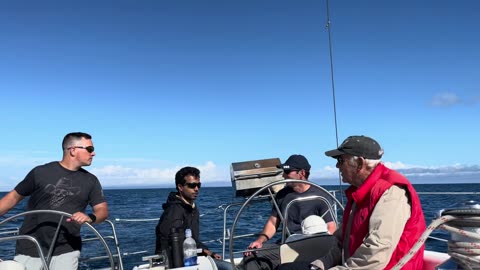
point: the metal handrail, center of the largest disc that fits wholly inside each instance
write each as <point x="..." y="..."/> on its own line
<point x="232" y="232"/>
<point x="63" y="214"/>
<point x="30" y="238"/>
<point x="108" y="237"/>
<point x="308" y="198"/>
<point x="7" y="231"/>
<point x="226" y="234"/>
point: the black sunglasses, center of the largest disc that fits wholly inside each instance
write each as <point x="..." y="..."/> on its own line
<point x="289" y="171"/>
<point x="89" y="149"/>
<point x="340" y="160"/>
<point x="193" y="185"/>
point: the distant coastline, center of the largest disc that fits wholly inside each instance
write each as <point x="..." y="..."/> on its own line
<point x="459" y="178"/>
<point x="423" y="180"/>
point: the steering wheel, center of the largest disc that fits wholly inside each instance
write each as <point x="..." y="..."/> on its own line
<point x="232" y="234"/>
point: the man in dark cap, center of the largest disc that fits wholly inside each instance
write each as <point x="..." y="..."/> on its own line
<point x="296" y="167"/>
<point x="383" y="218"/>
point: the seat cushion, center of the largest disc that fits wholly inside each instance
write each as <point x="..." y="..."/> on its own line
<point x="307" y="249"/>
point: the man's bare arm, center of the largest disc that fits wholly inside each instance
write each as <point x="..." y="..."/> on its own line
<point x="101" y="212"/>
<point x="9" y="201"/>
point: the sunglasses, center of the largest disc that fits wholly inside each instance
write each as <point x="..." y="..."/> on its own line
<point x="89" y="149"/>
<point x="340" y="160"/>
<point x="193" y="185"/>
<point x="289" y="171"/>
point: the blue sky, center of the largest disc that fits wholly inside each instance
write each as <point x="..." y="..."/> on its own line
<point x="165" y="84"/>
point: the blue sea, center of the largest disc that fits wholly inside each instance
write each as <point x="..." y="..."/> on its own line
<point x="135" y="213"/>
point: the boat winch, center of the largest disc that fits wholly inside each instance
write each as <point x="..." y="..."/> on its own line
<point x="462" y="220"/>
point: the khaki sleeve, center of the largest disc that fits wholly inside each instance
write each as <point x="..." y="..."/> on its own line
<point x="385" y="228"/>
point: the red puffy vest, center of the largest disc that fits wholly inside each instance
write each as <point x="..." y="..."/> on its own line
<point x="367" y="196"/>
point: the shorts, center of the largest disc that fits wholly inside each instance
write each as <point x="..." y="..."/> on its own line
<point x="66" y="261"/>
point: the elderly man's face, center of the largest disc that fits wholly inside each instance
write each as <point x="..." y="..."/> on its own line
<point x="348" y="169"/>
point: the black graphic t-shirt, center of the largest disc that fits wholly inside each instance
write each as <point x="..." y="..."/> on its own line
<point x="52" y="187"/>
<point x="301" y="210"/>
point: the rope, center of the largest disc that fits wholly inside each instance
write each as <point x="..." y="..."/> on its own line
<point x="463" y="252"/>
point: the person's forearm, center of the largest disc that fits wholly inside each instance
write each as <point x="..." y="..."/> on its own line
<point x="267" y="233"/>
<point x="101" y="212"/>
<point x="9" y="201"/>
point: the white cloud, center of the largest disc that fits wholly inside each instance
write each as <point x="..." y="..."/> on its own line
<point x="450" y="170"/>
<point x="330" y="172"/>
<point x="409" y="170"/>
<point x="114" y="175"/>
<point x="445" y="100"/>
<point x="325" y="172"/>
<point x="397" y="165"/>
<point x="157" y="173"/>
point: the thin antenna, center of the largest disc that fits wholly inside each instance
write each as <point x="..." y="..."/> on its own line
<point x="333" y="90"/>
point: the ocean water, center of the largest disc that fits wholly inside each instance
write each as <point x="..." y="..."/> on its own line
<point x="135" y="214"/>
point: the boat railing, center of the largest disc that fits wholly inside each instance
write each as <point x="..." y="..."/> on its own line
<point x="456" y="193"/>
<point x="226" y="231"/>
<point x="113" y="237"/>
<point x="256" y="194"/>
<point x="228" y="208"/>
<point x="304" y="199"/>
<point x="448" y="193"/>
<point x="258" y="199"/>
<point x="9" y="231"/>
<point x="62" y="216"/>
<point x="29" y="238"/>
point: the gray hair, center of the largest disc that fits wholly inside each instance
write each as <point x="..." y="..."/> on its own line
<point x="371" y="163"/>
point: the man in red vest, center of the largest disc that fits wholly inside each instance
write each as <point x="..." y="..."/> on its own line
<point x="383" y="217"/>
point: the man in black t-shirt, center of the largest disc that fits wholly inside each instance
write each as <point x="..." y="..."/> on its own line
<point x="296" y="167"/>
<point x="62" y="186"/>
<point x="299" y="211"/>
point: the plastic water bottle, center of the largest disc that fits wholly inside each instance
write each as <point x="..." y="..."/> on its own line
<point x="189" y="249"/>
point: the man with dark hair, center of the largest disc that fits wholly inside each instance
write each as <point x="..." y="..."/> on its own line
<point x="62" y="186"/>
<point x="296" y="167"/>
<point x="180" y="212"/>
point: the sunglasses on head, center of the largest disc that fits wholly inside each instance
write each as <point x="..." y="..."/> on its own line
<point x="89" y="149"/>
<point x="193" y="185"/>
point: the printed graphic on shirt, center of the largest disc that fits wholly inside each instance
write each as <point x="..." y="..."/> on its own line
<point x="61" y="191"/>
